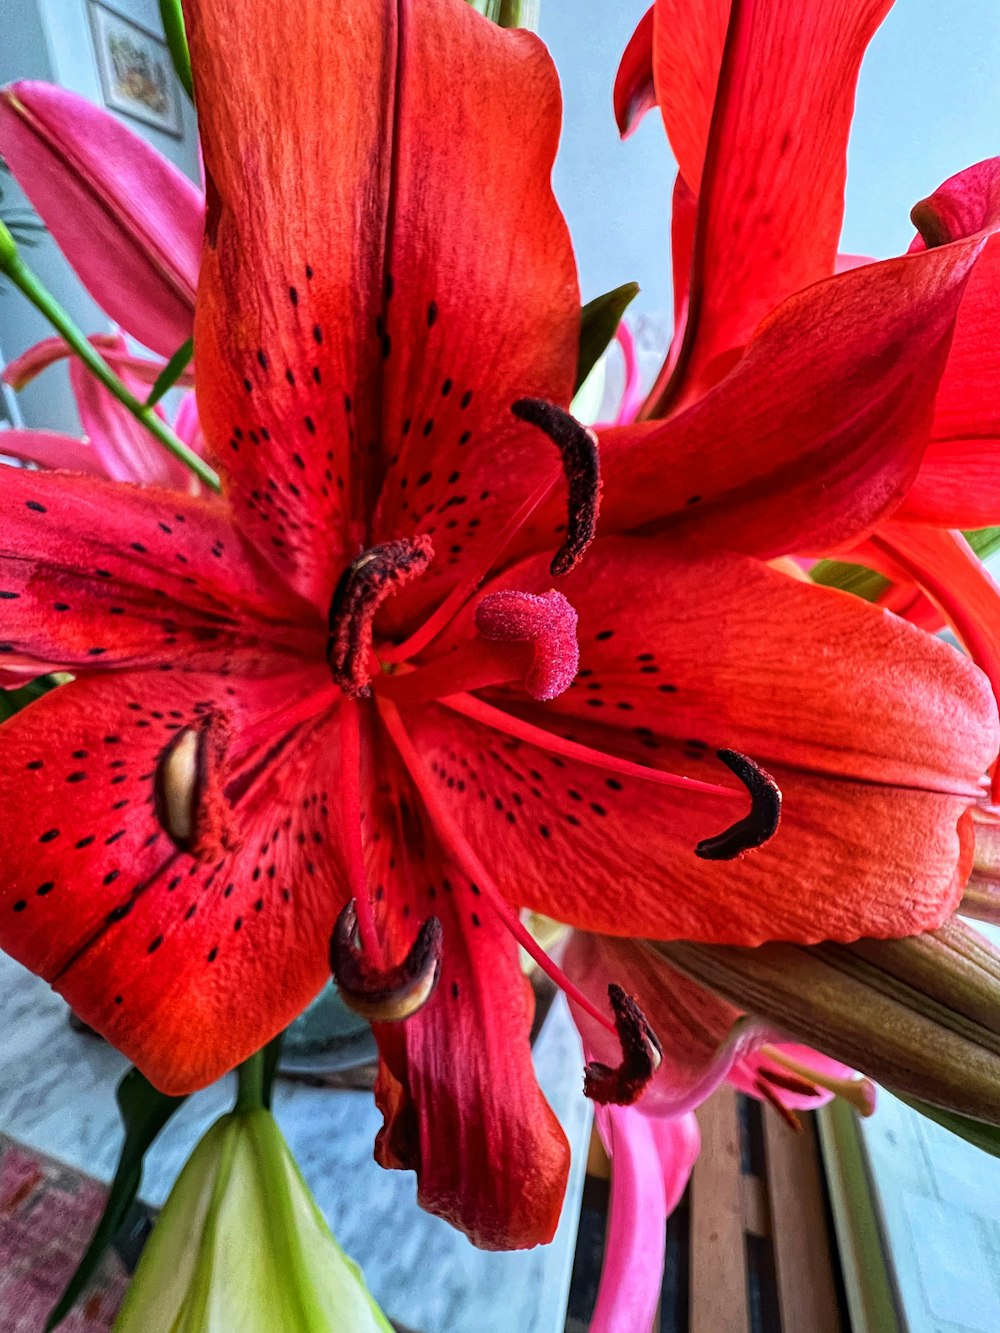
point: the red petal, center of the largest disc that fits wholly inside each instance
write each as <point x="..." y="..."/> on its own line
<point x="818" y="430"/>
<point x="126" y="449"/>
<point x="153" y="948"/>
<point x="634" y="91"/>
<point x="49" y="449"/>
<point x="841" y="703"/>
<point x="24" y="368"/>
<point x="387" y="202"/>
<point x="456" y="1086"/>
<point x="95" y="574"/>
<point x="127" y="220"/>
<point x="688" y="41"/>
<point x="771" y="196"/>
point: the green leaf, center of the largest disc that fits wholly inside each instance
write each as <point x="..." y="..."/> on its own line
<point x="12" y="701"/>
<point x="144" y="1112"/>
<point x="172" y="17"/>
<point x="599" y="320"/>
<point x="171" y="372"/>
<point x="851" y="578"/>
<point x="984" y="541"/>
<point x="977" y="1132"/>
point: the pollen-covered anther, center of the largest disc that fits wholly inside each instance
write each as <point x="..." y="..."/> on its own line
<point x="363" y="587"/>
<point x="548" y="622"/>
<point x="577" y="446"/>
<point x="641" y="1055"/>
<point x="188" y="789"/>
<point x="754" y="829"/>
<point x="385" y="994"/>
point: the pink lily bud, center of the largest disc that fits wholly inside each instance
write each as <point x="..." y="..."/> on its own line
<point x="128" y="220"/>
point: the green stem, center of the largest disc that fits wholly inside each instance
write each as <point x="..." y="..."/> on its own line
<point x="251" y="1083"/>
<point x="26" y="282"/>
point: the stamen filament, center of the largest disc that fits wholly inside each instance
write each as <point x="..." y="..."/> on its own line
<point x="498" y="720"/>
<point x="858" y="1092"/>
<point x="745" y="1037"/>
<point x="350" y="816"/>
<point x="460" y="594"/>
<point x="454" y="840"/>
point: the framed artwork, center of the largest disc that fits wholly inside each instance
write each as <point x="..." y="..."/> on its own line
<point x="137" y="75"/>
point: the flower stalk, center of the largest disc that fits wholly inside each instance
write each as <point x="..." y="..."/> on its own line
<point x="28" y="284"/>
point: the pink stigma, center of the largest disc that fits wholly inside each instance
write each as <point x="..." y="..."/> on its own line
<point x="548" y="623"/>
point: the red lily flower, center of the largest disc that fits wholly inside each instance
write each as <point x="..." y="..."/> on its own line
<point x="285" y="701"/>
<point x="758" y="204"/>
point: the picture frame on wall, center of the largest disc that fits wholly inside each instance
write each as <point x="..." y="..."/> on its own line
<point x="137" y="74"/>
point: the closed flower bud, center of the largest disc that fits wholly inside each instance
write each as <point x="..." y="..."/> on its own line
<point x="920" y="1015"/>
<point x="241" y="1245"/>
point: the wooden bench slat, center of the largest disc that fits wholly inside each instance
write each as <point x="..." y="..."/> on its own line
<point x="718" y="1252"/>
<point x="802" y="1245"/>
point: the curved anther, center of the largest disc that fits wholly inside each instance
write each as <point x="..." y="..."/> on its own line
<point x="384" y="995"/>
<point x="754" y="829"/>
<point x="363" y="587"/>
<point x="548" y="623"/>
<point x="188" y="795"/>
<point x="641" y="1055"/>
<point x="577" y="447"/>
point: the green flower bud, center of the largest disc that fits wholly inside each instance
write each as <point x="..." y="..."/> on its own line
<point x="919" y="1015"/>
<point x="241" y="1244"/>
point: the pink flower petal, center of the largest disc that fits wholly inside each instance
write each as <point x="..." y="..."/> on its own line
<point x="127" y="220"/>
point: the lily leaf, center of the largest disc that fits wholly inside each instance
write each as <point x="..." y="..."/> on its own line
<point x="171" y="372"/>
<point x="172" y="18"/>
<point x="982" y="1136"/>
<point x="144" y="1111"/>
<point x="599" y="320"/>
<point x="856" y="579"/>
<point x="984" y="541"/>
<point x="12" y="701"/>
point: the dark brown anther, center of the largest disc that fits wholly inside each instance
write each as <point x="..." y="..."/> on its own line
<point x="641" y="1054"/>
<point x="772" y="1098"/>
<point x="363" y="587"/>
<point x="788" y="1083"/>
<point x="577" y="447"/>
<point x="188" y="796"/>
<point x="384" y="995"/>
<point x="754" y="829"/>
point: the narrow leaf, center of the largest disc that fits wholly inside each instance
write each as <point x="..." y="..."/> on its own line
<point x="171" y="372"/>
<point x="984" y="541"/>
<point x="981" y="1135"/>
<point x="144" y="1112"/>
<point x="851" y="578"/>
<point x="172" y="17"/>
<point x="599" y="320"/>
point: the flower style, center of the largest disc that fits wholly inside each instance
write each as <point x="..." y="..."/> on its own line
<point x="291" y="712"/>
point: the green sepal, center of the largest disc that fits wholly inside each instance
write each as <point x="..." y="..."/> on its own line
<point x="144" y="1112"/>
<point x="599" y="320"/>
<point x="981" y="1135"/>
<point x="172" y="17"/>
<point x="171" y="372"/>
